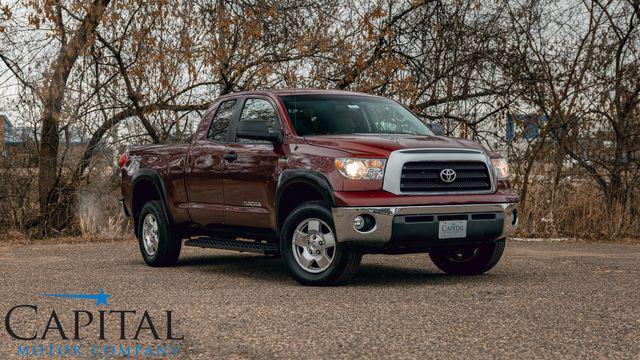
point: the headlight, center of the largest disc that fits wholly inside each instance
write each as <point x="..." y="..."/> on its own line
<point x="501" y="167"/>
<point x="361" y="169"/>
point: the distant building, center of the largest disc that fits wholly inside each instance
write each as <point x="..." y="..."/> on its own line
<point x="512" y="131"/>
<point x="523" y="126"/>
<point x="21" y="143"/>
<point x="14" y="137"/>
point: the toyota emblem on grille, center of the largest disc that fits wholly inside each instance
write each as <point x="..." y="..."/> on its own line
<point x="448" y="175"/>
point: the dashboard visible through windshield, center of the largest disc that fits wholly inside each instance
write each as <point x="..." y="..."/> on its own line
<point x="317" y="115"/>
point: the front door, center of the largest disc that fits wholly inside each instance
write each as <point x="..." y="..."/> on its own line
<point x="250" y="172"/>
<point x="204" y="169"/>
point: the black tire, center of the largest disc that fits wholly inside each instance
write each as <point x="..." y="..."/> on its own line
<point x="346" y="259"/>
<point x="468" y="261"/>
<point x="169" y="245"/>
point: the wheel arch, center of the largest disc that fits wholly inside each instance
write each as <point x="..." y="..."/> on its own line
<point x="147" y="185"/>
<point x="298" y="186"/>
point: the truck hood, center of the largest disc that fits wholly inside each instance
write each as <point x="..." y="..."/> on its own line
<point x="381" y="145"/>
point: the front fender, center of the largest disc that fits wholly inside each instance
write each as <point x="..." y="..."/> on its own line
<point x="315" y="179"/>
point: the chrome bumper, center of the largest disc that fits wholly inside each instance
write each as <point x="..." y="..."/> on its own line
<point x="381" y="233"/>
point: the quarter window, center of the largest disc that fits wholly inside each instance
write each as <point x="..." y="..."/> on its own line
<point x="259" y="109"/>
<point x="220" y="122"/>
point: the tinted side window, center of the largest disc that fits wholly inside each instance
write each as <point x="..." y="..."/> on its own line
<point x="220" y="122"/>
<point x="258" y="109"/>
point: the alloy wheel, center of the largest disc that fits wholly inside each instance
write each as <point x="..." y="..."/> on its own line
<point x="150" y="237"/>
<point x="314" y="245"/>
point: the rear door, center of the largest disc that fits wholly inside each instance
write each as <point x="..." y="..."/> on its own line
<point x="204" y="169"/>
<point x="250" y="172"/>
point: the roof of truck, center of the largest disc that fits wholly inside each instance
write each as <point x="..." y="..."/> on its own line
<point x="285" y="92"/>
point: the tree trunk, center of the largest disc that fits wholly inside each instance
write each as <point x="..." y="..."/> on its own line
<point x="615" y="192"/>
<point x="559" y="164"/>
<point x="53" y="98"/>
<point x="525" y="184"/>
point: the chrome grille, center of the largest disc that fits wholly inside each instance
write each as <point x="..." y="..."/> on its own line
<point x="424" y="176"/>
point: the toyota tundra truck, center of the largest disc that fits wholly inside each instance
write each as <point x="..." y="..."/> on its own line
<point x="319" y="178"/>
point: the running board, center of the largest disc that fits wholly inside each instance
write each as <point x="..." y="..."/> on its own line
<point x="237" y="245"/>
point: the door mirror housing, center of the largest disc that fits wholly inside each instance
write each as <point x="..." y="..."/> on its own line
<point x="257" y="130"/>
<point x="437" y="129"/>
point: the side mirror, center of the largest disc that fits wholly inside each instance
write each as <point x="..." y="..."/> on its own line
<point x="257" y="130"/>
<point x="437" y="129"/>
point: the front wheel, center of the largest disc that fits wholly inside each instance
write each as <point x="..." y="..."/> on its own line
<point x="309" y="248"/>
<point x="468" y="260"/>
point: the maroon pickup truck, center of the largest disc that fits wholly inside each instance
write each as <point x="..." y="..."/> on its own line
<point x="320" y="178"/>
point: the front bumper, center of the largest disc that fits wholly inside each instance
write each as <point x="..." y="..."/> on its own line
<point x="417" y="226"/>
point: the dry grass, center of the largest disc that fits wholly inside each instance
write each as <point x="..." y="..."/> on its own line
<point x="100" y="217"/>
<point x="578" y="211"/>
<point x="97" y="217"/>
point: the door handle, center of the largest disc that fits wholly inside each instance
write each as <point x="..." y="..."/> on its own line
<point x="230" y="157"/>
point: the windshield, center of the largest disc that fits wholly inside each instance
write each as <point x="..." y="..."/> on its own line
<point x="314" y="115"/>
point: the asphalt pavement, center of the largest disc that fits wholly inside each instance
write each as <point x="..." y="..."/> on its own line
<point x="543" y="300"/>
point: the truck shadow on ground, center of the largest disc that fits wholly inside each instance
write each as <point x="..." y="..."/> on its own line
<point x="271" y="269"/>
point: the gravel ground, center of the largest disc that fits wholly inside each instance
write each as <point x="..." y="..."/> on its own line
<point x="544" y="299"/>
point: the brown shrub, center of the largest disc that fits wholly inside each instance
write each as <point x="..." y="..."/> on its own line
<point x="579" y="211"/>
<point x="98" y="212"/>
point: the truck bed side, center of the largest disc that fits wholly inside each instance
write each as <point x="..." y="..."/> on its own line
<point x="156" y="172"/>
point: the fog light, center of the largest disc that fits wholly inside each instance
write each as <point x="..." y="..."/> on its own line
<point x="364" y="223"/>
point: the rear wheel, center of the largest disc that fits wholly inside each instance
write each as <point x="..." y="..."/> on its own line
<point x="158" y="245"/>
<point x="309" y="248"/>
<point x="468" y="260"/>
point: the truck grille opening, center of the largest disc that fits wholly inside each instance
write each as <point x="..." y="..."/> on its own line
<point x="424" y="176"/>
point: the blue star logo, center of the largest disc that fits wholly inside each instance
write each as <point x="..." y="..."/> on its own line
<point x="100" y="298"/>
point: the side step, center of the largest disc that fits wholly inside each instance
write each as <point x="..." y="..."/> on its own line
<point x="237" y="245"/>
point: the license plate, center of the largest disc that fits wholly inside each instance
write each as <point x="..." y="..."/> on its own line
<point x="452" y="229"/>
